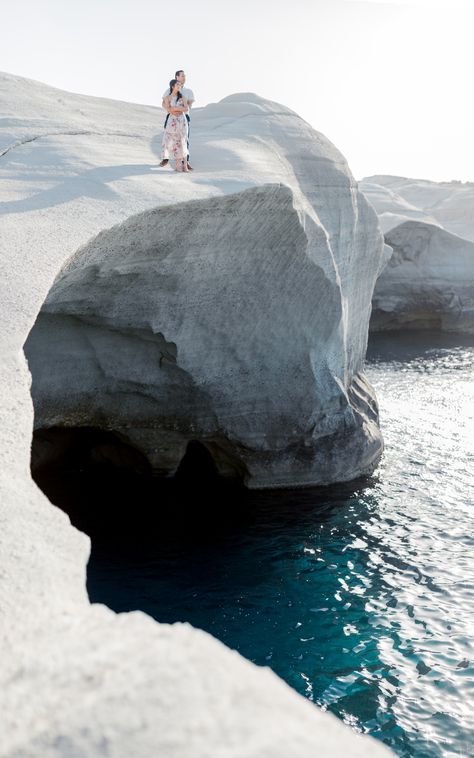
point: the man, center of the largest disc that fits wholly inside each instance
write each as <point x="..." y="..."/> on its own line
<point x="189" y="95"/>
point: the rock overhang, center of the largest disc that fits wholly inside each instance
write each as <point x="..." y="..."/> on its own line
<point x="211" y="320"/>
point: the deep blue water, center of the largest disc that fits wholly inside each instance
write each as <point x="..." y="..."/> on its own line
<point x="360" y="596"/>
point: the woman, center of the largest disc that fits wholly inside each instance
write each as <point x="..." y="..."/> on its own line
<point x="175" y="138"/>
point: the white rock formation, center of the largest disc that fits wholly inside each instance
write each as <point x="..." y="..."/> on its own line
<point x="81" y="194"/>
<point x="428" y="282"/>
<point x="239" y="319"/>
<point x="396" y="199"/>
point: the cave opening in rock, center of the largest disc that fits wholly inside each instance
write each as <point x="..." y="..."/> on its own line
<point x="110" y="491"/>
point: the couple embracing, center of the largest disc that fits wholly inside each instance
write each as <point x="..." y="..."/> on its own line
<point x="177" y="102"/>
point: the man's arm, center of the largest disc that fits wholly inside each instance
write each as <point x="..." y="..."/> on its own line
<point x="165" y="104"/>
<point x="177" y="109"/>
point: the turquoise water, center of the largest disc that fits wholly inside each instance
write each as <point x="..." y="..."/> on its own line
<point x="362" y="596"/>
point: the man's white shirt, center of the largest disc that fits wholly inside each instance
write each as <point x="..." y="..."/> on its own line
<point x="185" y="91"/>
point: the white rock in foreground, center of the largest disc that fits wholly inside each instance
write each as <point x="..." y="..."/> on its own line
<point x="77" y="679"/>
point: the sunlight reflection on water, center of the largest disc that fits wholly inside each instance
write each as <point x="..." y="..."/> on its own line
<point x="427" y="418"/>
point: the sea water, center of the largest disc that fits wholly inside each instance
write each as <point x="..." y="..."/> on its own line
<point x="360" y="596"/>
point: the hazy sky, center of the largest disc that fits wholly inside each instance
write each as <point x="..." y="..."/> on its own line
<point x="388" y="81"/>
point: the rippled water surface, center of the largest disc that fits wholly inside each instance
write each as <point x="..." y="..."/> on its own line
<point x="360" y="597"/>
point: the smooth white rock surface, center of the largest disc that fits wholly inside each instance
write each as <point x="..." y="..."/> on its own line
<point x="76" y="679"/>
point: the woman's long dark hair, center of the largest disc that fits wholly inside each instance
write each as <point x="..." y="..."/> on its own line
<point x="172" y="83"/>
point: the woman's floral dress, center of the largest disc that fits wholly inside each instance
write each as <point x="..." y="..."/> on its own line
<point x="175" y="137"/>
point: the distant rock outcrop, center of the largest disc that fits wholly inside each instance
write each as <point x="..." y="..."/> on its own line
<point x="396" y="199"/>
<point x="428" y="282"/>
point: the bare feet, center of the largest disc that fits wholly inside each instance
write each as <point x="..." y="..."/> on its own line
<point x="164" y="162"/>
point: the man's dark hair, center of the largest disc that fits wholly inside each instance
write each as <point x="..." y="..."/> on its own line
<point x="177" y="73"/>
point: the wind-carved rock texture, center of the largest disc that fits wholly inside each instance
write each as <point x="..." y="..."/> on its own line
<point x="172" y="315"/>
<point x="224" y="320"/>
